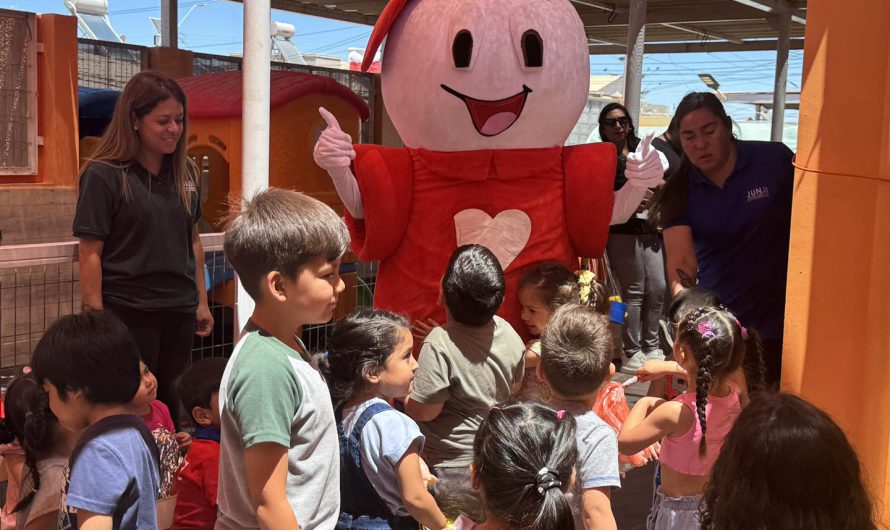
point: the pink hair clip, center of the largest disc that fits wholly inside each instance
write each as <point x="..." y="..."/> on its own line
<point x="560" y="414"/>
<point x="704" y="328"/>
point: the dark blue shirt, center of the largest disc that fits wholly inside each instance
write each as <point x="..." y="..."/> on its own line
<point x="741" y="234"/>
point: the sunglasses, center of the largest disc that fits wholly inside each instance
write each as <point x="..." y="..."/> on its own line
<point x="616" y="122"/>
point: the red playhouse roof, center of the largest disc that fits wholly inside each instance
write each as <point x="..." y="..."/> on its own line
<point x="219" y="95"/>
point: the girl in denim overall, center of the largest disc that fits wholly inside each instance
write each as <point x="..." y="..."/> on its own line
<point x="382" y="486"/>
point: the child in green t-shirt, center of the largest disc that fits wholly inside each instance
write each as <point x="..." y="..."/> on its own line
<point x="279" y="453"/>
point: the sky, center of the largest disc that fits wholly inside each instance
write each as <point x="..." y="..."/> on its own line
<point x="215" y="26"/>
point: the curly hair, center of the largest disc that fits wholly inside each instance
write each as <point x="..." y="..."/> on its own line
<point x="785" y="464"/>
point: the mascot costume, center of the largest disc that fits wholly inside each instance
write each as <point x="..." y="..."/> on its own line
<point x="484" y="94"/>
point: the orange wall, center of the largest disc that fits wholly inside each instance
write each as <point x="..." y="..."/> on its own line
<point x="57" y="100"/>
<point x="837" y="333"/>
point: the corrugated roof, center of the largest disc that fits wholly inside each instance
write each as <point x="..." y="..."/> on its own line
<point x="672" y="25"/>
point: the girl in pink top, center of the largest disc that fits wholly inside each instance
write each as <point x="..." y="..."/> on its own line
<point x="710" y="346"/>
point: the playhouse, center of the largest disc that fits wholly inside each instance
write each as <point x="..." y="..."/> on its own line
<point x="214" y="142"/>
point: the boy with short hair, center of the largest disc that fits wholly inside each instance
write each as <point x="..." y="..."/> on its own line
<point x="198" y="477"/>
<point x="576" y="349"/>
<point x="89" y="365"/>
<point x="279" y="454"/>
<point x="467" y="365"/>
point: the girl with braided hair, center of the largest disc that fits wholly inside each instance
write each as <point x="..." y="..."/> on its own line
<point x="523" y="463"/>
<point x="711" y="347"/>
<point x="46" y="446"/>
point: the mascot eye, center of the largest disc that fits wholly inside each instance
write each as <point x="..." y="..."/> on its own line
<point x="532" y="49"/>
<point x="462" y="49"/>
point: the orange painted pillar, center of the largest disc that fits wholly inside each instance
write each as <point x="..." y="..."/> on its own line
<point x="837" y="332"/>
<point x="57" y="158"/>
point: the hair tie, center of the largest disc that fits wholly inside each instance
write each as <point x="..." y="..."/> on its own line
<point x="743" y="329"/>
<point x="547" y="479"/>
<point x="494" y="407"/>
<point x="560" y="414"/>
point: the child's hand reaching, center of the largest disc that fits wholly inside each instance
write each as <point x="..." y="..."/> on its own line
<point x="428" y="478"/>
<point x="184" y="440"/>
<point x="656" y="369"/>
<point x="421" y="329"/>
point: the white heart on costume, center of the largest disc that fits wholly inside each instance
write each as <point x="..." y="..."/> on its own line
<point x="505" y="235"/>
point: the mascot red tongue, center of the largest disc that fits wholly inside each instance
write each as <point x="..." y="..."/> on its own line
<point x="484" y="94"/>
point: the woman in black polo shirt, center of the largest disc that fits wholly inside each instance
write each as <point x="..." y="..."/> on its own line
<point x="137" y="209"/>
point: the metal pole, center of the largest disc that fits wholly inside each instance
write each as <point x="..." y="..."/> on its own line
<point x="633" y="69"/>
<point x="169" y="26"/>
<point x="254" y="115"/>
<point x="782" y="47"/>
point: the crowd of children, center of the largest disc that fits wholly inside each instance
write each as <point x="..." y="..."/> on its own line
<point x="480" y="431"/>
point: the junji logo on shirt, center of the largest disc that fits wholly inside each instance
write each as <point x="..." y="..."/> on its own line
<point x="761" y="192"/>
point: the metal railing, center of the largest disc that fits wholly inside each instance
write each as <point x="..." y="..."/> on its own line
<point x="103" y="64"/>
<point x="40" y="283"/>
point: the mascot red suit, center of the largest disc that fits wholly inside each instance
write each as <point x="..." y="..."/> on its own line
<point x="484" y="94"/>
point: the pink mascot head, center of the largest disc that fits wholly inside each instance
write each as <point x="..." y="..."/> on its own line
<point x="462" y="75"/>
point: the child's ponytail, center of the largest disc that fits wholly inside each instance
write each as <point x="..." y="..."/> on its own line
<point x="702" y="388"/>
<point x="555" y="512"/>
<point x="32" y="422"/>
<point x="754" y="366"/>
<point x="524" y="456"/>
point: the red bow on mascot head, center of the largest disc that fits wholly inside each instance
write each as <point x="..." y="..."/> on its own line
<point x="484" y="94"/>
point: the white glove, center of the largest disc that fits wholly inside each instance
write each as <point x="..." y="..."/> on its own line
<point x="645" y="169"/>
<point x="334" y="153"/>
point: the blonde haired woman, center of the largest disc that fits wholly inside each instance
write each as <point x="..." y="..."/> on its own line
<point x="136" y="218"/>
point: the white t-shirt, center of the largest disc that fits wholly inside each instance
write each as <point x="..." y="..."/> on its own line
<point x="385" y="439"/>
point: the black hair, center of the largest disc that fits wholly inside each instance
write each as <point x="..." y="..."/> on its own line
<point x="33" y="424"/>
<point x="576" y="347"/>
<point x="785" y="464"/>
<point x="197" y="385"/>
<point x="632" y="138"/>
<point x="717" y="343"/>
<point x="671" y="200"/>
<point x="473" y="285"/>
<point x="359" y="344"/>
<point x="695" y="297"/>
<point x="92" y="352"/>
<point x="512" y="447"/>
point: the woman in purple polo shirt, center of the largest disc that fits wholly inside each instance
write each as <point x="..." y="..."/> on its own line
<point x="726" y="215"/>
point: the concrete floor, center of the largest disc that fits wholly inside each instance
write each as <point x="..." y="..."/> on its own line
<point x="631" y="503"/>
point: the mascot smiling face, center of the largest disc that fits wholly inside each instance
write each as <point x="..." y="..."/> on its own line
<point x="463" y="75"/>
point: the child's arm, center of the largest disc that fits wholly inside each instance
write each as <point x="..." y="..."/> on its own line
<point x="421" y="411"/>
<point x="657" y="388"/>
<point x="596" y="508"/>
<point x="266" y="467"/>
<point x="651" y="420"/>
<point x="655" y="369"/>
<point x="418" y="501"/>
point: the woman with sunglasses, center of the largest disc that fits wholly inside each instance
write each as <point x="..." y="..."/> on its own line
<point x="726" y="215"/>
<point x="635" y="252"/>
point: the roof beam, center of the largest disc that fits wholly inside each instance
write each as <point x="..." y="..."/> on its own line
<point x="662" y="15"/>
<point x="704" y="33"/>
<point x="594" y="40"/>
<point x="603" y="6"/>
<point x="777" y="6"/>
<point x="694" y="47"/>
